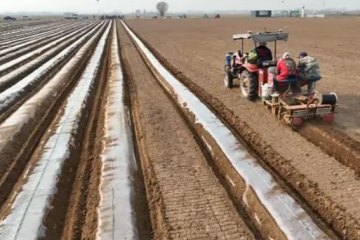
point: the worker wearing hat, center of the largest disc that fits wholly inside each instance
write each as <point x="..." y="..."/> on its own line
<point x="286" y="69"/>
<point x="308" y="70"/>
<point x="303" y="54"/>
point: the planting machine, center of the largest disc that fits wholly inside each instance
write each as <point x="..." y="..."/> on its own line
<point x="256" y="80"/>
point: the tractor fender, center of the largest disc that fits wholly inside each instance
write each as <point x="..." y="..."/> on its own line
<point x="253" y="68"/>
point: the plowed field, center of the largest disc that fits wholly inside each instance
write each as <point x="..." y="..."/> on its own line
<point x="106" y="133"/>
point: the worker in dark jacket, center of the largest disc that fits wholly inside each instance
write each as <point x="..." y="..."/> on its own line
<point x="259" y="54"/>
<point x="308" y="69"/>
<point x="264" y="53"/>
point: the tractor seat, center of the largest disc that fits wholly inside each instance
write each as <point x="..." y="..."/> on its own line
<point x="288" y="80"/>
<point x="266" y="64"/>
<point x="313" y="79"/>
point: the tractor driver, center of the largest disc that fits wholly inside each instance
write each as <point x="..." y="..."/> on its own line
<point x="264" y="53"/>
<point x="259" y="54"/>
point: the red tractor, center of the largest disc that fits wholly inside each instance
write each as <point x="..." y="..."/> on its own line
<point x="256" y="80"/>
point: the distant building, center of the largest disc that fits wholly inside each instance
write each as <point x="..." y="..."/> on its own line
<point x="295" y="13"/>
<point x="70" y="16"/>
<point x="263" y="13"/>
<point x="284" y="13"/>
<point x="26" y="18"/>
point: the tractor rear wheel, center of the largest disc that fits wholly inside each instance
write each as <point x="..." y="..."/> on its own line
<point x="249" y="85"/>
<point x="228" y="80"/>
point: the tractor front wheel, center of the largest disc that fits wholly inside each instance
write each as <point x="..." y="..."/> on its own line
<point x="249" y="85"/>
<point x="228" y="80"/>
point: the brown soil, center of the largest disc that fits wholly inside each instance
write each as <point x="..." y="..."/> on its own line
<point x="196" y="56"/>
<point x="185" y="197"/>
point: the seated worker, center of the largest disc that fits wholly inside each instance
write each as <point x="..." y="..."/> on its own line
<point x="286" y="68"/>
<point x="238" y="59"/>
<point x="308" y="69"/>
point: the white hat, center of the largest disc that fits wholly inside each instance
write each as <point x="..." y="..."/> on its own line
<point x="286" y="55"/>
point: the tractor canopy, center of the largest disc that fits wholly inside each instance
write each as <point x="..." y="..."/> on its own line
<point x="263" y="36"/>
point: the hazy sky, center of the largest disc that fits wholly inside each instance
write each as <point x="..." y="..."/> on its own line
<point x="83" y="6"/>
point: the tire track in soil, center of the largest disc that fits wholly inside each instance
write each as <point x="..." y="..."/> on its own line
<point x="185" y="197"/>
<point x="330" y="205"/>
<point x="335" y="143"/>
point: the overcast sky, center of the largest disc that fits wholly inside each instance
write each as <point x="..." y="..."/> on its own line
<point x="83" y="6"/>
